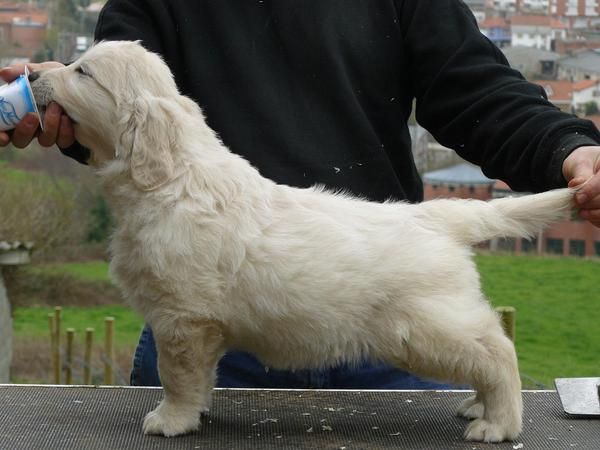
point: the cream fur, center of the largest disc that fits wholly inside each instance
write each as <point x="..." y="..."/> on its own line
<point x="217" y="257"/>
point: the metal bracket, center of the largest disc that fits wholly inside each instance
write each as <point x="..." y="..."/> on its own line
<point x="579" y="396"/>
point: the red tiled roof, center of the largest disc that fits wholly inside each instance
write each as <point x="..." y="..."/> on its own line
<point x="494" y="22"/>
<point x="584" y="84"/>
<point x="537" y="21"/>
<point x="562" y="90"/>
<point x="557" y="91"/>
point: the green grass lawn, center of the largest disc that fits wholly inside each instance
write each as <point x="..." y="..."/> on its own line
<point x="33" y="322"/>
<point x="19" y="177"/>
<point x="557" y="302"/>
<point x="558" y="311"/>
<point x="14" y="175"/>
<point x="85" y="271"/>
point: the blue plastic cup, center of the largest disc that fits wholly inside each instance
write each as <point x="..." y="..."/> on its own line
<point x="16" y="100"/>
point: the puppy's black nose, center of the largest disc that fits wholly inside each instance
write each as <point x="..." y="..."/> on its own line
<point x="33" y="76"/>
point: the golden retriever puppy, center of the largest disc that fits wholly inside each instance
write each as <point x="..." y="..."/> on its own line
<point x="217" y="257"/>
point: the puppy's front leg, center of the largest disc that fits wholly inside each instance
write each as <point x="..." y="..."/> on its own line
<point x="188" y="352"/>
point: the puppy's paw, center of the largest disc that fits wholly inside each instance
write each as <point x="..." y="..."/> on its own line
<point x="471" y="408"/>
<point x="168" y="421"/>
<point x="484" y="431"/>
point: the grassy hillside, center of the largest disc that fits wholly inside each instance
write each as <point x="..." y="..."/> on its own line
<point x="84" y="271"/>
<point x="14" y="175"/>
<point x="557" y="302"/>
<point x="21" y="178"/>
<point x="558" y="311"/>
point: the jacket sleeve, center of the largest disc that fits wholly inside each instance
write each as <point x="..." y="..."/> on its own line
<point x="471" y="101"/>
<point x="132" y="20"/>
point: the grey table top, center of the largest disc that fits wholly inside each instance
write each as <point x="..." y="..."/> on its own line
<point x="51" y="417"/>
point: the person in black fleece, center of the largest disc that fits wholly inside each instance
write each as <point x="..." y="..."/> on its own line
<point x="320" y="91"/>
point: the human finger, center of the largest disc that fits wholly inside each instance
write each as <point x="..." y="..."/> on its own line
<point x="25" y="131"/>
<point x="10" y="73"/>
<point x="52" y="117"/>
<point x="591" y="215"/>
<point x="588" y="191"/>
<point x="66" y="132"/>
<point x="4" y="139"/>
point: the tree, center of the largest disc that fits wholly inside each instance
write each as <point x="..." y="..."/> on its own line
<point x="101" y="223"/>
<point x="41" y="209"/>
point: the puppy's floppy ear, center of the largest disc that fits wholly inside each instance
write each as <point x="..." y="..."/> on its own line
<point x="149" y="140"/>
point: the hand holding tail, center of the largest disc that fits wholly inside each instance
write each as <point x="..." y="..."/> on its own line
<point x="582" y="170"/>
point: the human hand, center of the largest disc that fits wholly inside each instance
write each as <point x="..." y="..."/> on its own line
<point x="58" y="128"/>
<point x="583" y="166"/>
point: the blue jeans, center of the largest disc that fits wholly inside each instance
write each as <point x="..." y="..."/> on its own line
<point x="242" y="370"/>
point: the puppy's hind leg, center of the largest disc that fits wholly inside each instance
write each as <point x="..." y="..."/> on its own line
<point x="472" y="349"/>
<point x="188" y="353"/>
<point x="498" y="384"/>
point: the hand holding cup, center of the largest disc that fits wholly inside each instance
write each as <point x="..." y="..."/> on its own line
<point x="57" y="127"/>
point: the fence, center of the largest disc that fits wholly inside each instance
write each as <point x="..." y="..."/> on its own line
<point x="64" y="361"/>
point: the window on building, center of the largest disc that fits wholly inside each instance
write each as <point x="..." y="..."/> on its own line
<point x="577" y="247"/>
<point x="451" y="188"/>
<point x="597" y="248"/>
<point x="529" y="245"/>
<point x="554" y="246"/>
<point x="506" y="245"/>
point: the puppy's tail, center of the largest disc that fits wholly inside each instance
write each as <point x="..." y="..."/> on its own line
<point x="473" y="221"/>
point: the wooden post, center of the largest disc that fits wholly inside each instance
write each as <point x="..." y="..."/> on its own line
<point x="508" y="315"/>
<point x="109" y="328"/>
<point x="57" y="332"/>
<point x="55" y="377"/>
<point x="87" y="356"/>
<point x="69" y="356"/>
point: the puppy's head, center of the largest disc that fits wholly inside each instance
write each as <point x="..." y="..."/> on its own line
<point x="123" y="102"/>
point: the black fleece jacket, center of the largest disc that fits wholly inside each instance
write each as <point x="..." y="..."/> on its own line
<point x="319" y="91"/>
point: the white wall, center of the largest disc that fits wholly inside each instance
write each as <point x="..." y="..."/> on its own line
<point x="535" y="37"/>
<point x="537" y="5"/>
<point x="580" y="98"/>
<point x="529" y="37"/>
<point x="505" y="5"/>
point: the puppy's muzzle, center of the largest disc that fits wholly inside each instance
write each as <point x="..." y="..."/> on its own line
<point x="42" y="91"/>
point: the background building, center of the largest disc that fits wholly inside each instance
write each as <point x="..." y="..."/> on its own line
<point x="22" y="30"/>
<point x="584" y="65"/>
<point x="577" y="8"/>
<point x="581" y="97"/>
<point x="537" y="31"/>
